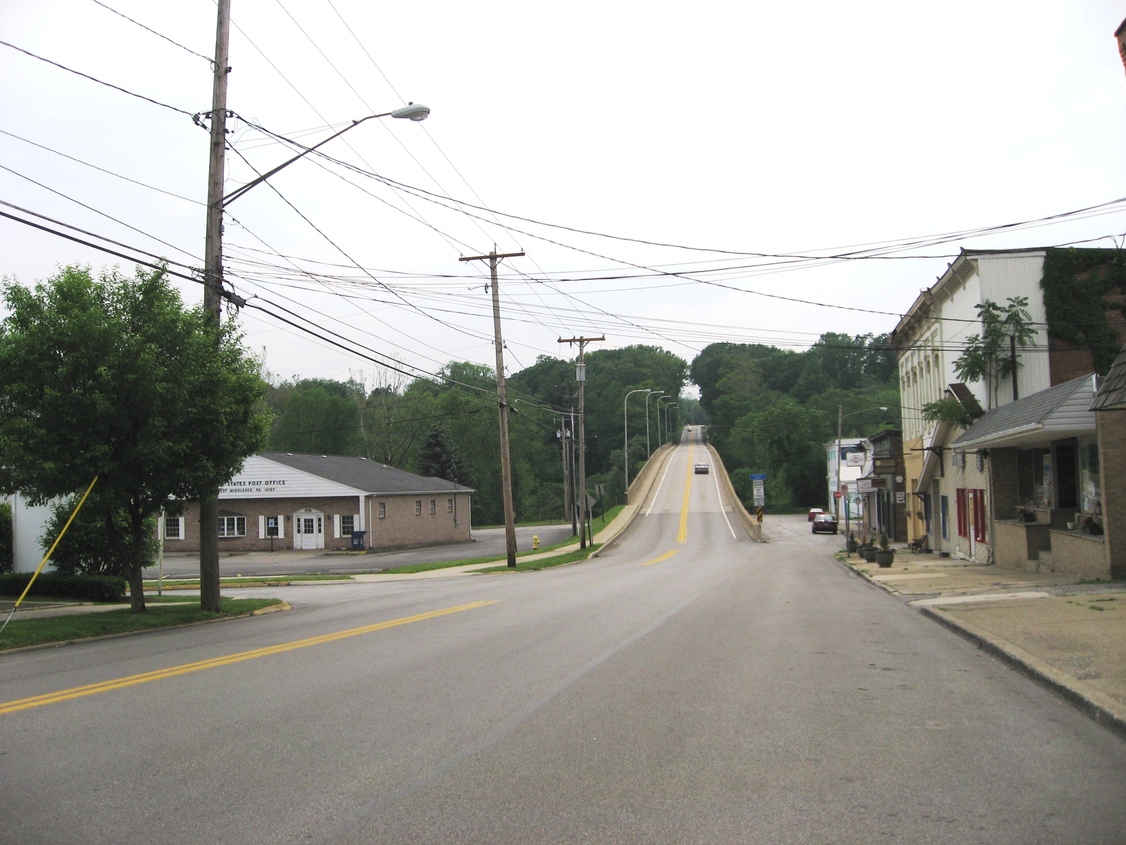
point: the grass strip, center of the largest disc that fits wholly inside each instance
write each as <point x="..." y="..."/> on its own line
<point x="243" y="581"/>
<point x="545" y="563"/>
<point x="73" y="627"/>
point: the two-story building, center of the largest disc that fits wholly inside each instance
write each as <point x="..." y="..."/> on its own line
<point x="1033" y="431"/>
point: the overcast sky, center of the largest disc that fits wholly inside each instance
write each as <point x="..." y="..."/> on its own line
<point x="675" y="175"/>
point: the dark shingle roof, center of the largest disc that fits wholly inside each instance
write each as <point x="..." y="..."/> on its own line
<point x="1112" y="391"/>
<point x="369" y="476"/>
<point x="1025" y="416"/>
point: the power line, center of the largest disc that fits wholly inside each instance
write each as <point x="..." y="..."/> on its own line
<point x="100" y="81"/>
<point x="154" y="32"/>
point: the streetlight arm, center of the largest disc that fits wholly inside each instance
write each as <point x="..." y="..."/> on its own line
<point x="410" y="112"/>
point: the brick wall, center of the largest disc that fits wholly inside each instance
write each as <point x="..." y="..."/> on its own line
<point x="1112" y="468"/>
<point x="407" y="521"/>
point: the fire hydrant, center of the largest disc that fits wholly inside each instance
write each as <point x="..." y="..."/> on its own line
<point x="535" y="542"/>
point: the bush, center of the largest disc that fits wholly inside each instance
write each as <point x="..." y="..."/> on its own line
<point x="105" y="588"/>
<point x="89" y="547"/>
<point x="7" y="550"/>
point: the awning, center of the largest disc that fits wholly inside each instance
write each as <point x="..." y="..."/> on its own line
<point x="1057" y="413"/>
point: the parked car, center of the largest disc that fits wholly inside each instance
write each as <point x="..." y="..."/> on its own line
<point x="813" y="513"/>
<point x="824" y="522"/>
<point x="701" y="469"/>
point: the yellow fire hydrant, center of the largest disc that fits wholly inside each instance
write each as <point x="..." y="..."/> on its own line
<point x="535" y="542"/>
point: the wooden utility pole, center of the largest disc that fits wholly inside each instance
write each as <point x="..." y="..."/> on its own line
<point x="209" y="599"/>
<point x="580" y="377"/>
<point x="502" y="403"/>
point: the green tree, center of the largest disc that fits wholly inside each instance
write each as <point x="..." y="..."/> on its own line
<point x="114" y="378"/>
<point x="91" y="545"/>
<point x="7" y="549"/>
<point x="319" y="416"/>
<point x="992" y="355"/>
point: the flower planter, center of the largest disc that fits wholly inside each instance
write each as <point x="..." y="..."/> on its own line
<point x="868" y="553"/>
<point x="885" y="558"/>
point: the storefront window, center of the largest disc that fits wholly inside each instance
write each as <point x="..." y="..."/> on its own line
<point x="1089" y="479"/>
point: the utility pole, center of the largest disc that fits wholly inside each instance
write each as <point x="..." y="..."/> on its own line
<point x="580" y="377"/>
<point x="502" y="404"/>
<point x="209" y="599"/>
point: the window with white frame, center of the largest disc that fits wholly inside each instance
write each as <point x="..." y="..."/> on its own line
<point x="433" y="507"/>
<point x="173" y="528"/>
<point x="449" y="505"/>
<point x="418" y="507"/>
<point x="382" y="510"/>
<point x="232" y="526"/>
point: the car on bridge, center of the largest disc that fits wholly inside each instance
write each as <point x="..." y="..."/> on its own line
<point x="701" y="469"/>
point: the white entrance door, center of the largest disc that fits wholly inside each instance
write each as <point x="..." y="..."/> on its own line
<point x="310" y="533"/>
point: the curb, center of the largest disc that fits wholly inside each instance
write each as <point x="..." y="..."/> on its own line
<point x="1044" y="674"/>
<point x="1016" y="658"/>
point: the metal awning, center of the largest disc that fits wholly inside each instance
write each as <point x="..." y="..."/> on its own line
<point x="1057" y="413"/>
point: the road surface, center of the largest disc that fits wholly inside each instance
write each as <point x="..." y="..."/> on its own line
<point x="689" y="686"/>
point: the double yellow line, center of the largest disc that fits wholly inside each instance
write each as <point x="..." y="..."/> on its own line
<point x="682" y="534"/>
<point x="199" y="666"/>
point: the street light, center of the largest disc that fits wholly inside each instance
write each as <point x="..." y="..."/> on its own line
<point x="412" y="111"/>
<point x="666" y="437"/>
<point x="625" y="430"/>
<point x="840" y="423"/>
<point x="648" y="449"/>
<point x="670" y="405"/>
<point x="213" y="292"/>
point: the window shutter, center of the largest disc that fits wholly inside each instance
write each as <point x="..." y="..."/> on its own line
<point x="336" y="525"/>
<point x="261" y="527"/>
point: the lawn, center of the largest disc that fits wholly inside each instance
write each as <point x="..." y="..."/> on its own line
<point x="166" y="612"/>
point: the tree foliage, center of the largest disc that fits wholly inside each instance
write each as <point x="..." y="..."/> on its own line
<point x="7" y="548"/>
<point x="92" y="543"/>
<point x="112" y="377"/>
<point x="991" y="355"/>
<point x="773" y="410"/>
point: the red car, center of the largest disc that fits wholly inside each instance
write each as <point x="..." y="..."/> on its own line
<point x="813" y="513"/>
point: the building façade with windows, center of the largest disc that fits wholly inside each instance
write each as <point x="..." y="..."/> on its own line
<point x="283" y="501"/>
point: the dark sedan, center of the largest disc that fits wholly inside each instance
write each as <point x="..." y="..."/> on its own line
<point x="824" y="522"/>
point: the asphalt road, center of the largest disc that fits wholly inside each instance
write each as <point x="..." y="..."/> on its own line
<point x="689" y="686"/>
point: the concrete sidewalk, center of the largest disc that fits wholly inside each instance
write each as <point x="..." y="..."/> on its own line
<point x="1067" y="634"/>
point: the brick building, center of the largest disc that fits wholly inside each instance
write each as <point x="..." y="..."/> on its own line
<point x="286" y="501"/>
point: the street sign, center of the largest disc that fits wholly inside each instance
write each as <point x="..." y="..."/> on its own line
<point x="758" y="476"/>
<point x="758" y="513"/>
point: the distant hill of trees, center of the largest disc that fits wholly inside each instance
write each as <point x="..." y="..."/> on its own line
<point x="768" y="410"/>
<point x="773" y="410"/>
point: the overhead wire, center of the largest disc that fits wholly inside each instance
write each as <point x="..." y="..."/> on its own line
<point x="98" y="81"/>
<point x="148" y="29"/>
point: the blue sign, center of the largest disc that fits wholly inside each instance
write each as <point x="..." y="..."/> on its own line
<point x="758" y="476"/>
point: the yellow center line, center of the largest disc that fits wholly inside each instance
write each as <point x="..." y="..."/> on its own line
<point x="665" y="556"/>
<point x="186" y="668"/>
<point x="683" y="534"/>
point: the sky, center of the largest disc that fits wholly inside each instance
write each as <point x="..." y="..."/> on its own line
<point x="747" y="171"/>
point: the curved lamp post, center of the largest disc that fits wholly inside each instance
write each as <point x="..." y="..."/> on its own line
<point x="670" y="405"/>
<point x="648" y="449"/>
<point x="665" y="439"/>
<point x="625" y="430"/>
<point x="412" y="111"/>
<point x="214" y="292"/>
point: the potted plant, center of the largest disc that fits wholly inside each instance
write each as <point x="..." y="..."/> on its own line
<point x="886" y="554"/>
<point x="851" y="545"/>
<point x="867" y="551"/>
